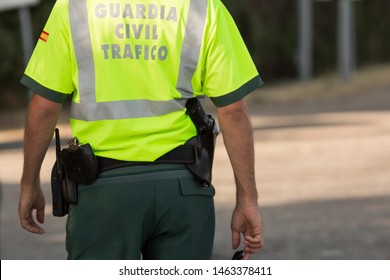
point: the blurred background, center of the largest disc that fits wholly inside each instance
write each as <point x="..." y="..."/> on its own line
<point x="322" y="129"/>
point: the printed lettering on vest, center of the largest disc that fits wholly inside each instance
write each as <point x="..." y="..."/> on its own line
<point x="137" y="11"/>
<point x="127" y="51"/>
<point x="145" y="28"/>
<point x="135" y="31"/>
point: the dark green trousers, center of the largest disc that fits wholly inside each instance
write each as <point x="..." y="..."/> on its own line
<point x="142" y="212"/>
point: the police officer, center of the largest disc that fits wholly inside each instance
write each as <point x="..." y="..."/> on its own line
<point x="130" y="67"/>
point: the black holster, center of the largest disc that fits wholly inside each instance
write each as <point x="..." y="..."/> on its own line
<point x="204" y="142"/>
<point x="80" y="163"/>
<point x="74" y="165"/>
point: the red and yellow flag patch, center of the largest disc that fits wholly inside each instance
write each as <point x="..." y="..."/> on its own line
<point x="44" y="36"/>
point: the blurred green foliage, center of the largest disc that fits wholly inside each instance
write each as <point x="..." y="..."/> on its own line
<point x="268" y="27"/>
<point x="12" y="94"/>
<point x="270" y="31"/>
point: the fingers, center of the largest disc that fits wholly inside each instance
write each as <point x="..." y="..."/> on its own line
<point x="29" y="224"/>
<point x="252" y="245"/>
<point x="29" y="202"/>
<point x="41" y="215"/>
<point x="27" y="221"/>
<point x="236" y="239"/>
<point x="248" y="222"/>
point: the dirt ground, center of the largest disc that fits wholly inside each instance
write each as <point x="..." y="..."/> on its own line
<point x="322" y="163"/>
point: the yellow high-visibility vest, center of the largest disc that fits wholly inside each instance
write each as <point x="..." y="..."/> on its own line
<point x="132" y="65"/>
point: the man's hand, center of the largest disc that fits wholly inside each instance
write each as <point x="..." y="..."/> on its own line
<point x="28" y="202"/>
<point x="247" y="221"/>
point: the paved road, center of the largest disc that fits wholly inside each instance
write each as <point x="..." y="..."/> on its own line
<point x="323" y="176"/>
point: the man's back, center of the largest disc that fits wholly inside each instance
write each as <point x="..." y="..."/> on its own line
<point x="132" y="65"/>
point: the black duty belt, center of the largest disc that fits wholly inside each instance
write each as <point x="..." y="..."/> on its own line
<point x="183" y="154"/>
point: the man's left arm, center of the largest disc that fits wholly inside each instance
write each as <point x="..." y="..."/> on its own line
<point x="238" y="139"/>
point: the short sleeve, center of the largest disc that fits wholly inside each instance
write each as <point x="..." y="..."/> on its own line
<point x="49" y="71"/>
<point x="229" y="73"/>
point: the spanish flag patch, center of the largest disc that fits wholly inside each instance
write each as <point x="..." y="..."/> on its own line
<point x="44" y="36"/>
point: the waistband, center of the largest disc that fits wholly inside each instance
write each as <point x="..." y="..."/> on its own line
<point x="184" y="154"/>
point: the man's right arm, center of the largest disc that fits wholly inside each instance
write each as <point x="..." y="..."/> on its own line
<point x="41" y="120"/>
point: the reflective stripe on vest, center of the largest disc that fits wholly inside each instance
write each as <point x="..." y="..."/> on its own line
<point x="90" y="110"/>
